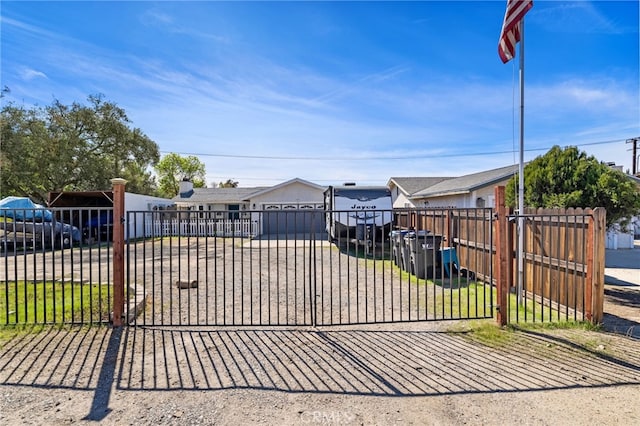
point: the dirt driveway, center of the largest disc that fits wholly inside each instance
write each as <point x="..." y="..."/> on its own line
<point x="411" y="374"/>
<point x="419" y="373"/>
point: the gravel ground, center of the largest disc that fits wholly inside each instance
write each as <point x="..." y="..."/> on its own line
<point x="416" y="373"/>
<point x="384" y="375"/>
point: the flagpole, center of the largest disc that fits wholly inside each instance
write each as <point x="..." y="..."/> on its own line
<point x="520" y="252"/>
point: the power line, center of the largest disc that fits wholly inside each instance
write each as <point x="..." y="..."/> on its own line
<point x="377" y="157"/>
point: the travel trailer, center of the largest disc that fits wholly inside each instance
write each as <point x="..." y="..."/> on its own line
<point x="361" y="214"/>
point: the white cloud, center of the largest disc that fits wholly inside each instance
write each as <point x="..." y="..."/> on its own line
<point x="246" y="104"/>
<point x="30" y="74"/>
<point x="596" y="94"/>
<point x="577" y="17"/>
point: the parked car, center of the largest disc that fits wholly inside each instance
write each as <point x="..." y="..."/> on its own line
<point x="24" y="223"/>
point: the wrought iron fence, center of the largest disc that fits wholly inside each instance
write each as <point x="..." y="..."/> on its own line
<point x="55" y="266"/>
<point x="292" y="274"/>
<point x="298" y="267"/>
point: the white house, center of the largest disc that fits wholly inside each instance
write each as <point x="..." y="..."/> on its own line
<point x="272" y="208"/>
<point x="403" y="188"/>
<point x="619" y="237"/>
<point x="473" y="190"/>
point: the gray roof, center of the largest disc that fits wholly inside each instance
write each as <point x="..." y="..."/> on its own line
<point x="219" y="195"/>
<point x="467" y="183"/>
<point x="411" y="185"/>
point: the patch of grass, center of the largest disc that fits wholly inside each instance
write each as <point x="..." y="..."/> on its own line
<point x="458" y="299"/>
<point x="489" y="333"/>
<point x="360" y="252"/>
<point x="486" y="332"/>
<point x="557" y="325"/>
<point x="48" y="302"/>
<point x="532" y="311"/>
<point x="581" y="333"/>
<point x="9" y="332"/>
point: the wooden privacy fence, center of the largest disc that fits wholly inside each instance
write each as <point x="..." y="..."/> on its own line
<point x="563" y="263"/>
<point x="468" y="231"/>
<point x="563" y="256"/>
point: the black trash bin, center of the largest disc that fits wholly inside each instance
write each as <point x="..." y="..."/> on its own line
<point x="423" y="258"/>
<point x="409" y="247"/>
<point x="397" y="241"/>
<point x="405" y="250"/>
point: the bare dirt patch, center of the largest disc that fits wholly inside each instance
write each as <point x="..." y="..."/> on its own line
<point x="405" y="374"/>
<point x="415" y="373"/>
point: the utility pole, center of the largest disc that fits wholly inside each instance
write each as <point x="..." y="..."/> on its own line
<point x="634" y="149"/>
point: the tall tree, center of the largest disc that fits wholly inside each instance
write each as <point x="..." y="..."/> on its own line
<point x="173" y="168"/>
<point x="72" y="148"/>
<point x="230" y="183"/>
<point x="570" y="178"/>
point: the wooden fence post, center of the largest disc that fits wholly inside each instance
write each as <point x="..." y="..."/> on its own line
<point x="597" y="233"/>
<point x="447" y="228"/>
<point x="118" y="250"/>
<point x="501" y="258"/>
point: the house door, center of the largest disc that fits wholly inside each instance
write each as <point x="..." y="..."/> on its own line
<point x="234" y="211"/>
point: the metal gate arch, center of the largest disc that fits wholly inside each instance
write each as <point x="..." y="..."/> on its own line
<point x="290" y="279"/>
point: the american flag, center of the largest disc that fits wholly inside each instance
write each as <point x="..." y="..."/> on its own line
<point x="510" y="34"/>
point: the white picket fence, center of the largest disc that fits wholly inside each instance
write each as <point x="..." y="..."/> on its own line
<point x="245" y="228"/>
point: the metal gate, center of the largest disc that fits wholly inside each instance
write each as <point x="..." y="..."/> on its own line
<point x="207" y="268"/>
<point x="294" y="279"/>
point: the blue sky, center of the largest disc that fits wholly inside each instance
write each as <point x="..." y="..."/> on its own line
<point x="263" y="92"/>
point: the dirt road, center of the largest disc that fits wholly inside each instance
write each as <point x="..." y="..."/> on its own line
<point x="414" y="374"/>
<point x="403" y="374"/>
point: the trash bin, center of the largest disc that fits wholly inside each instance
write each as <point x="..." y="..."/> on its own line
<point x="397" y="240"/>
<point x="423" y="259"/>
<point x="405" y="250"/>
<point x="449" y="260"/>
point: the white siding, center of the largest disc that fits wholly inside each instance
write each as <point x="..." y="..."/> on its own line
<point x="296" y="192"/>
<point x="401" y="201"/>
<point x="467" y="200"/>
<point x="456" y="201"/>
<point x="138" y="202"/>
